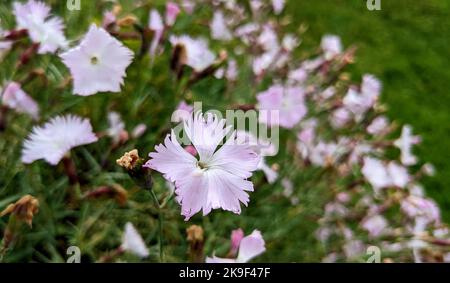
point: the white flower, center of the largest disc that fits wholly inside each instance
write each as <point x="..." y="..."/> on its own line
<point x="116" y="126"/>
<point x="331" y="45"/>
<point x="132" y="242"/>
<point x="375" y="225"/>
<point x="405" y="144"/>
<point x="98" y="63"/>
<point x="278" y="6"/>
<point x="219" y="29"/>
<point x="57" y="137"/>
<point x="15" y="98"/>
<point x="381" y="176"/>
<point x="198" y="56"/>
<point x="34" y="16"/>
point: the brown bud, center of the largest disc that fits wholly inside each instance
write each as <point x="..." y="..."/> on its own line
<point x="129" y="160"/>
<point x="127" y="21"/>
<point x="196" y="243"/>
<point x="24" y="209"/>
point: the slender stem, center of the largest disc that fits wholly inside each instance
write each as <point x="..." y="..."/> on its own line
<point x="160" y="223"/>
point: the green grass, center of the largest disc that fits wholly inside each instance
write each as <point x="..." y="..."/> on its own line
<point x="406" y="46"/>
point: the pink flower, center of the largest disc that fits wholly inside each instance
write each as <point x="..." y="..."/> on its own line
<point x="172" y="11"/>
<point x="132" y="242"/>
<point x="34" y="16"/>
<point x="331" y="46"/>
<point x="416" y="206"/>
<point x="198" y="56"/>
<point x="249" y="247"/>
<point x="278" y="6"/>
<point x="405" y="144"/>
<point x="381" y="176"/>
<point x="378" y="125"/>
<point x="236" y="238"/>
<point x="219" y="29"/>
<point x="109" y="17"/>
<point x="56" y="138"/>
<point x="157" y="26"/>
<point x="287" y="101"/>
<point x="339" y="118"/>
<point x="15" y="98"/>
<point x="218" y="179"/>
<point x="98" y="64"/>
<point x="183" y="112"/>
<point x="375" y="225"/>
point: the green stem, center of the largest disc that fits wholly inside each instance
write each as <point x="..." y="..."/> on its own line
<point x="160" y="224"/>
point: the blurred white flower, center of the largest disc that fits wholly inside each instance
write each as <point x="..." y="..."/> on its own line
<point x="405" y="144"/>
<point x="15" y="98"/>
<point x="278" y="6"/>
<point x="331" y="46"/>
<point x="116" y="126"/>
<point x="44" y="29"/>
<point x="198" y="56"/>
<point x="219" y="28"/>
<point x="56" y="138"/>
<point x="375" y="225"/>
<point x="378" y="126"/>
<point x="132" y="242"/>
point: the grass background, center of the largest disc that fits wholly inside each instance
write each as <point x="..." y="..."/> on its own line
<point x="405" y="44"/>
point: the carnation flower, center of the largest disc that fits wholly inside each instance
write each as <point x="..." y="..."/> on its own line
<point x="132" y="242"/>
<point x="34" y="16"/>
<point x="249" y="247"/>
<point x="219" y="29"/>
<point x="405" y="144"/>
<point x="15" y="98"/>
<point x="157" y="26"/>
<point x="56" y="138"/>
<point x="416" y="206"/>
<point x="183" y="112"/>
<point x="288" y="101"/>
<point x="116" y="128"/>
<point x="218" y="178"/>
<point x="375" y="225"/>
<point x="378" y="126"/>
<point x="381" y="176"/>
<point x="98" y="64"/>
<point x="331" y="46"/>
<point x="172" y="11"/>
<point x="197" y="54"/>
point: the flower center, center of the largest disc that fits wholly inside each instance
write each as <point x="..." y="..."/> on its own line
<point x="94" y="60"/>
<point x="202" y="165"/>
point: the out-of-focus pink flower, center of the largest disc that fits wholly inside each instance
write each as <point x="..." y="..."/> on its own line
<point x="219" y="28"/>
<point x="354" y="248"/>
<point x="375" y="225"/>
<point x="132" y="242"/>
<point x="378" y="126"/>
<point x="44" y="29"/>
<point x="236" y="238"/>
<point x="339" y="118"/>
<point x="249" y="247"/>
<point x="232" y="71"/>
<point x="278" y="6"/>
<point x="298" y="75"/>
<point x="15" y="98"/>
<point x="109" y="17"/>
<point x="405" y="144"/>
<point x="287" y="101"/>
<point x="98" y="63"/>
<point x="56" y="138"/>
<point x="289" y="42"/>
<point x="198" y="55"/>
<point x="324" y="153"/>
<point x="188" y="6"/>
<point x="139" y="130"/>
<point x="5" y="45"/>
<point x="331" y="46"/>
<point x="172" y="11"/>
<point x="218" y="178"/>
<point x="359" y="102"/>
<point x="116" y="126"/>
<point x="157" y="26"/>
<point x="381" y="175"/>
<point x="183" y="112"/>
<point x="416" y="206"/>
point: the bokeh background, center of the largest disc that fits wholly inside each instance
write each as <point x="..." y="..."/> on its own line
<point x="406" y="45"/>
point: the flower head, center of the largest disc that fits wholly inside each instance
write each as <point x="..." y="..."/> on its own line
<point x="249" y="247"/>
<point x="43" y="29"/>
<point x="405" y="144"/>
<point x="289" y="101"/>
<point x="15" y="98"/>
<point x="98" y="63"/>
<point x="172" y="11"/>
<point x="57" y="137"/>
<point x="219" y="29"/>
<point x="217" y="179"/>
<point x="331" y="45"/>
<point x="197" y="54"/>
<point x="132" y="242"/>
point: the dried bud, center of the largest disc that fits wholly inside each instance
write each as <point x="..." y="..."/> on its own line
<point x="24" y="209"/>
<point x="196" y="243"/>
<point x="129" y="160"/>
<point x="115" y="191"/>
<point x="127" y="21"/>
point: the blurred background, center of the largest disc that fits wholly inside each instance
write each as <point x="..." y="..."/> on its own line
<point x="406" y="45"/>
